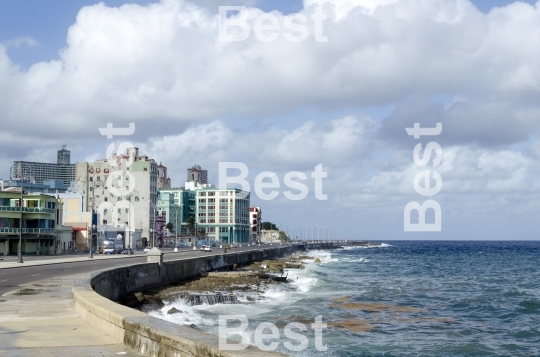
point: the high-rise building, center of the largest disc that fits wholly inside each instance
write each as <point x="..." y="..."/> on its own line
<point x="196" y="174"/>
<point x="63" y="156"/>
<point x="37" y="172"/>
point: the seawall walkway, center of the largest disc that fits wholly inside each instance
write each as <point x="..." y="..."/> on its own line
<point x="64" y="316"/>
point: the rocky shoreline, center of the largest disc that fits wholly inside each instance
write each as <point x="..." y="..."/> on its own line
<point x="240" y="285"/>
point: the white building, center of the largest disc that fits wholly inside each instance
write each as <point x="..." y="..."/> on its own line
<point x="255" y="220"/>
<point x="123" y="191"/>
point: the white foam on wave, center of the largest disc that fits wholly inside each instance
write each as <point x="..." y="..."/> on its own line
<point x="233" y="309"/>
<point x="304" y="284"/>
<point x="381" y="245"/>
<point x="188" y="315"/>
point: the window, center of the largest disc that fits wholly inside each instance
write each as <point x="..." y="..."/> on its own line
<point x="119" y="198"/>
<point x="98" y="178"/>
<point x="211" y="193"/>
<point x="202" y="214"/>
<point x="211" y="220"/>
<point x="211" y="200"/>
<point x="223" y="200"/>
<point x="202" y="221"/>
<point x="203" y="193"/>
<point x="91" y="179"/>
<point x="105" y="211"/>
<point x="127" y="210"/>
<point x="104" y="222"/>
<point x="106" y="199"/>
<point x="119" y="211"/>
<point x="223" y="207"/>
<point x="222" y="214"/>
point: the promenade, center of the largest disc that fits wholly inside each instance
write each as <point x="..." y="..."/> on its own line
<point x="39" y="319"/>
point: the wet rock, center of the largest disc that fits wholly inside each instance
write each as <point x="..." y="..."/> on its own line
<point x="318" y="260"/>
<point x="139" y="297"/>
<point x="174" y="310"/>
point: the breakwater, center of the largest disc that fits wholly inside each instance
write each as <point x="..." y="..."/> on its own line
<point x="96" y="297"/>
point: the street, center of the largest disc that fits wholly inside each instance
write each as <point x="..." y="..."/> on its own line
<point x="10" y="279"/>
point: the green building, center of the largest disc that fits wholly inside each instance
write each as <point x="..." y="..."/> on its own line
<point x="179" y="205"/>
<point x="39" y="219"/>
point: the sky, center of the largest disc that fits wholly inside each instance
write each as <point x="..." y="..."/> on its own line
<point x="69" y="68"/>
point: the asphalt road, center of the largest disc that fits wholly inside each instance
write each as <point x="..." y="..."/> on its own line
<point x="10" y="279"/>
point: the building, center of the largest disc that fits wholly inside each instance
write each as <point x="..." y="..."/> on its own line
<point x="255" y="220"/>
<point x="223" y="214"/>
<point x="64" y="156"/>
<point x="164" y="182"/>
<point x="122" y="190"/>
<point x="41" y="231"/>
<point x="196" y="174"/>
<point x="40" y="172"/>
<point x="48" y="186"/>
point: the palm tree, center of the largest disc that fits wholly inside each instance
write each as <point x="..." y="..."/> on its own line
<point x="190" y="222"/>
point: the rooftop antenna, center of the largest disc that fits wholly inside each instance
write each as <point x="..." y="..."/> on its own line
<point x="64" y="147"/>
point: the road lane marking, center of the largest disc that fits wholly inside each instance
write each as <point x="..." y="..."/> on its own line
<point x="35" y="275"/>
<point x="1" y="281"/>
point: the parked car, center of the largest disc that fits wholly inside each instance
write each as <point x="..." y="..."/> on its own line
<point x="207" y="248"/>
<point x="234" y="245"/>
<point x="147" y="249"/>
<point x="227" y="246"/>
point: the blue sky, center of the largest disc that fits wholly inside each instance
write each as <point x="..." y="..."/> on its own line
<point x="48" y="21"/>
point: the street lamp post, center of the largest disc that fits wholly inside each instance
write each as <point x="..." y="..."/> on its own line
<point x="128" y="195"/>
<point x="176" y="207"/>
<point x="195" y="241"/>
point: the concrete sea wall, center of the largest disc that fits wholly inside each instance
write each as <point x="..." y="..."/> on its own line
<point x="96" y="296"/>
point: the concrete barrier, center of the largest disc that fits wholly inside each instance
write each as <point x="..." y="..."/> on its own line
<point x="96" y="296"/>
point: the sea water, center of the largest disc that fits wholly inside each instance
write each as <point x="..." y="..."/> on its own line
<point x="406" y="298"/>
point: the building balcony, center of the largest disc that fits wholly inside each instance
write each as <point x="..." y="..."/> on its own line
<point x="27" y="230"/>
<point x="27" y="209"/>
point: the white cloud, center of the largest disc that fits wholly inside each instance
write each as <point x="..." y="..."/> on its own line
<point x="163" y="62"/>
<point x="22" y="41"/>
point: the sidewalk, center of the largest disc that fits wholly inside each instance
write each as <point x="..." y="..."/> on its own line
<point x="12" y="263"/>
<point x="39" y="319"/>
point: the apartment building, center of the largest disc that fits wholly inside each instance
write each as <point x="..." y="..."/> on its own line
<point x="122" y="190"/>
<point x="223" y="214"/>
<point x="38" y="172"/>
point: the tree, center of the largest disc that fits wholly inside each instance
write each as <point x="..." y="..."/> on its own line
<point x="202" y="233"/>
<point x="269" y="226"/>
<point x="169" y="226"/>
<point x="283" y="236"/>
<point x="190" y="222"/>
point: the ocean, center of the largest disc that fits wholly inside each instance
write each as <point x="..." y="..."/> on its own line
<point x="402" y="298"/>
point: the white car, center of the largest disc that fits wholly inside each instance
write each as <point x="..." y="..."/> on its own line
<point x="147" y="249"/>
<point x="206" y="248"/>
